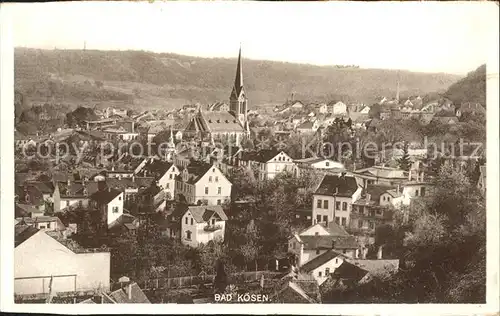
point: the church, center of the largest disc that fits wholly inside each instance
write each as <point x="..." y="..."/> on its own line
<point x="228" y="127"/>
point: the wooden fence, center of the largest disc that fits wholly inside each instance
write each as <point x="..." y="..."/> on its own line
<point x="188" y="281"/>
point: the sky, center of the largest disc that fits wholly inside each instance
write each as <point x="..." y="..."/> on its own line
<point x="451" y="37"/>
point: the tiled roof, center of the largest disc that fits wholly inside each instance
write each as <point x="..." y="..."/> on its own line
<point x="377" y="267"/>
<point x="214" y="122"/>
<point x="201" y="213"/>
<point x="137" y="296"/>
<point x="156" y="167"/>
<point x="376" y="190"/>
<point x="23" y="210"/>
<point x="76" y="188"/>
<point x="196" y="170"/>
<point x="337" y="186"/>
<point x="105" y="196"/>
<point x="23" y="233"/>
<point x="44" y="187"/>
<point x="348" y="270"/>
<point x="320" y="260"/>
<point x="383" y="172"/>
<point x="335" y="229"/>
<point x="328" y="242"/>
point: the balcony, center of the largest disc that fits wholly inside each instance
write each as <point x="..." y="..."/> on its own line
<point x="212" y="228"/>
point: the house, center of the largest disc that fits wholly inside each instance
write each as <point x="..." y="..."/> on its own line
<point x="125" y="132"/>
<point x="374" y="208"/>
<point x="321" y="108"/>
<point x="73" y="194"/>
<point x="296" y="105"/>
<point x="365" y="110"/>
<point x="337" y="108"/>
<point x="307" y="127"/>
<point x="298" y="291"/>
<point x="164" y="174"/>
<point x="195" y="225"/>
<point x="151" y="199"/>
<point x="218" y="107"/>
<point x="379" y="175"/>
<point x="109" y="202"/>
<point x="319" y="238"/>
<point x="268" y="162"/>
<point x="35" y="193"/>
<point x="58" y="263"/>
<point x="319" y="164"/>
<point x="125" y="224"/>
<point x="332" y="200"/>
<point x="447" y="120"/>
<point x="26" y="210"/>
<point x="200" y="182"/>
<point x="48" y="223"/>
<point x="323" y="265"/>
<point x="470" y="108"/>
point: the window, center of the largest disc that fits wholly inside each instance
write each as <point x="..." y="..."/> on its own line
<point x="325" y="204"/>
<point x="327" y="271"/>
<point x="344" y="206"/>
<point x="416" y="193"/>
<point x="327" y="164"/>
<point x="318" y="218"/>
<point x="371" y="225"/>
<point x="170" y="176"/>
<point x="383" y="198"/>
<point x="422" y="191"/>
<point x="80" y="203"/>
<point x="317" y="251"/>
<point x="337" y="206"/>
<point x="213" y="221"/>
<point x="325" y="218"/>
<point x="379" y="212"/>
<point x="188" y="235"/>
<point x="316" y="234"/>
<point x="344" y="221"/>
<point x="219" y="190"/>
<point x="168" y="185"/>
<point x="360" y="223"/>
<point x="319" y="273"/>
<point x="42" y="226"/>
<point x="344" y="251"/>
<point x="219" y="202"/>
<point x="191" y="221"/>
<point x="336" y="260"/>
<point x="210" y="179"/>
<point x="186" y="220"/>
<point x="206" y="190"/>
<point x="67" y="203"/>
<point x="216" y="179"/>
<point x="337" y="220"/>
<point x="48" y="225"/>
<point x="119" y="198"/>
<point x="115" y="209"/>
<point x="294" y="245"/>
<point x="318" y="203"/>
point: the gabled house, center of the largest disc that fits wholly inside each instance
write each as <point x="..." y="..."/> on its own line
<point x="164" y="173"/>
<point x="307" y="127"/>
<point x="318" y="163"/>
<point x="379" y="175"/>
<point x="323" y="265"/>
<point x="195" y="225"/>
<point x="269" y="162"/>
<point x="202" y="183"/>
<point x="318" y="239"/>
<point x="337" y="108"/>
<point x="109" y="202"/>
<point x="332" y="200"/>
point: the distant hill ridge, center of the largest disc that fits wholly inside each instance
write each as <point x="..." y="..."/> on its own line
<point x="197" y="79"/>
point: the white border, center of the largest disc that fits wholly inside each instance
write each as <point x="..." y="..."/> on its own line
<point x="7" y="207"/>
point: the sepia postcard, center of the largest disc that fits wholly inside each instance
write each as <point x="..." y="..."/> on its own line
<point x="297" y="158"/>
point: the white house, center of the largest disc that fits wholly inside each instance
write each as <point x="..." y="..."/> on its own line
<point x="337" y="108"/>
<point x="44" y="259"/>
<point x="109" y="202"/>
<point x="332" y="200"/>
<point x="318" y="163"/>
<point x="164" y="173"/>
<point x="47" y="223"/>
<point x="320" y="238"/>
<point x="269" y="162"/>
<point x="322" y="266"/>
<point x="201" y="183"/>
<point x="365" y="109"/>
<point x="308" y="127"/>
<point x="195" y="225"/>
<point x="73" y="194"/>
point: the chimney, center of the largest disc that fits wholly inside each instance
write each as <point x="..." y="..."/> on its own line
<point x="336" y="190"/>
<point x="129" y="291"/>
<point x="379" y="253"/>
<point x="333" y="244"/>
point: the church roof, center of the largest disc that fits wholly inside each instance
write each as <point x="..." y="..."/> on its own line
<point x="215" y="122"/>
<point x="238" y="81"/>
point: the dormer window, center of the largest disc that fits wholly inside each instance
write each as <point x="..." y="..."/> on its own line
<point x="209" y="121"/>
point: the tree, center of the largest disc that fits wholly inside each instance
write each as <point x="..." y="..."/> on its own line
<point x="220" y="280"/>
<point x="404" y="162"/>
<point x="374" y="111"/>
<point x="251" y="249"/>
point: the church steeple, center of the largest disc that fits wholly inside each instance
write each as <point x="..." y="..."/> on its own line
<point x="238" y="99"/>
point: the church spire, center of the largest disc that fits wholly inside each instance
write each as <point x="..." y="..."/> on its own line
<point x="238" y="81"/>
